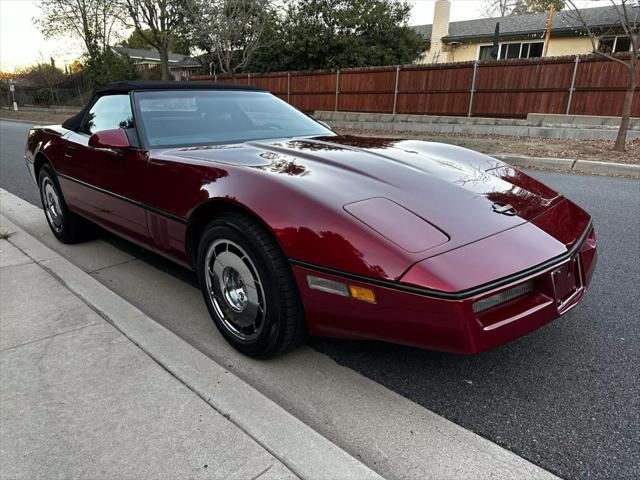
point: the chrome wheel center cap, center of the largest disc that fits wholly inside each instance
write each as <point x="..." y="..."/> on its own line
<point x="234" y="289"/>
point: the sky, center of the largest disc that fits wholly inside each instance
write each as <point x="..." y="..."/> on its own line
<point x="21" y="43"/>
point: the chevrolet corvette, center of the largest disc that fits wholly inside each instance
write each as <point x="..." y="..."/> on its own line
<point x="294" y="230"/>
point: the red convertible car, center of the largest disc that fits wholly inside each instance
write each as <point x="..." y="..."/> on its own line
<point x="295" y="230"/>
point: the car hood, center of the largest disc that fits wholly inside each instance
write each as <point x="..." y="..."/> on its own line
<point x="459" y="191"/>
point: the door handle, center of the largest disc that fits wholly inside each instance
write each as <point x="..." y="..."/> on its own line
<point x="69" y="151"/>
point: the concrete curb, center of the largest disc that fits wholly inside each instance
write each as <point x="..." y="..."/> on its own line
<point x="578" y="166"/>
<point x="304" y="451"/>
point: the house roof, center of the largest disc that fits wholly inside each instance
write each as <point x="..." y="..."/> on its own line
<point x="152" y="55"/>
<point x="532" y="24"/>
<point x="186" y="62"/>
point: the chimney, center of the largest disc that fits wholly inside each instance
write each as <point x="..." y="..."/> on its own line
<point x="440" y="28"/>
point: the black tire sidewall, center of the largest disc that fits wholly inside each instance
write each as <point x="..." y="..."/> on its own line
<point x="272" y="331"/>
<point x="66" y="235"/>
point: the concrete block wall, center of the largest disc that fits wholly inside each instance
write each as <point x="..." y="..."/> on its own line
<point x="573" y="127"/>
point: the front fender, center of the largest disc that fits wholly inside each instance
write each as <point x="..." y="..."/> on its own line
<point x="308" y="227"/>
<point x="44" y="143"/>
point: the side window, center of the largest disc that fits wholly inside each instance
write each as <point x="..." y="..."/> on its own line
<point x="110" y="111"/>
<point x="485" y="52"/>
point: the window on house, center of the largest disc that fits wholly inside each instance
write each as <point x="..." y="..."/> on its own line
<point x="607" y="44"/>
<point x="513" y="50"/>
<point x="485" y="52"/>
<point x="510" y="50"/>
<point x="623" y="44"/>
<point x="534" y="50"/>
<point x="614" y="44"/>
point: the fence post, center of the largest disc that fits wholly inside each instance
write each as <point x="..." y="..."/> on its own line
<point x="573" y="83"/>
<point x="249" y="78"/>
<point x="288" y="87"/>
<point x="395" y="90"/>
<point x="337" y="88"/>
<point x="473" y="87"/>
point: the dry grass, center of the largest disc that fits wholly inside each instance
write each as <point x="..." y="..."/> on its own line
<point x="37" y="118"/>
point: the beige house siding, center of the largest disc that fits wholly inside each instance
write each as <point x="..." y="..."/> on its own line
<point x="569" y="46"/>
<point x="465" y="52"/>
<point x="468" y="52"/>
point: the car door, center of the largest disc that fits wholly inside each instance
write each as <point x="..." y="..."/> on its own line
<point x="107" y="186"/>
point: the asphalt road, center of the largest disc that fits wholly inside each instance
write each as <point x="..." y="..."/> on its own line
<point x="566" y="397"/>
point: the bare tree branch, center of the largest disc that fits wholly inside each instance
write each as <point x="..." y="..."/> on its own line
<point x="232" y="29"/>
<point x="92" y="21"/>
<point x="155" y="21"/>
<point x="627" y="26"/>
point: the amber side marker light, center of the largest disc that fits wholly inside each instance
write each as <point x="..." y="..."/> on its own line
<point x="362" y="293"/>
<point x="338" y="288"/>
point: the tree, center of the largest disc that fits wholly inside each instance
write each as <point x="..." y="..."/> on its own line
<point x="93" y="21"/>
<point x="498" y="8"/>
<point x="537" y="6"/>
<point x="156" y="21"/>
<point x="96" y="23"/>
<point x="502" y="8"/>
<point x="109" y="67"/>
<point x="329" y="34"/>
<point x="75" y="67"/>
<point x="626" y="26"/>
<point x="232" y="30"/>
<point x="177" y="43"/>
<point x="41" y="74"/>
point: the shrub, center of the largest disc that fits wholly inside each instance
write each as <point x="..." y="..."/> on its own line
<point x="110" y="67"/>
<point x="43" y="96"/>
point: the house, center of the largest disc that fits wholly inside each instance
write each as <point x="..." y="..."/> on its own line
<point x="181" y="66"/>
<point x="521" y="36"/>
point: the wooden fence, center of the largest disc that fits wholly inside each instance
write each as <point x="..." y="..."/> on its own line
<point x="579" y="85"/>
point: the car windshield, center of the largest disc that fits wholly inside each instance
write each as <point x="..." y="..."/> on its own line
<point x="180" y="118"/>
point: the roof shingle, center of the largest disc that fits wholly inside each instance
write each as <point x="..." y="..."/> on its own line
<point x="527" y="25"/>
<point x="152" y="55"/>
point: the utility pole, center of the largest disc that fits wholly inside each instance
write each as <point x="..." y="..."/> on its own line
<point x="547" y="34"/>
<point x="12" y="88"/>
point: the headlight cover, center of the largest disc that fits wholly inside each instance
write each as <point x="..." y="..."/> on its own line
<point x="397" y="224"/>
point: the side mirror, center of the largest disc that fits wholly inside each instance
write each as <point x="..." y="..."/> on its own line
<point x="112" y="139"/>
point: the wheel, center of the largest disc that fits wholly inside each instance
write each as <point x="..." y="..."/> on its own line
<point x="65" y="225"/>
<point x="249" y="288"/>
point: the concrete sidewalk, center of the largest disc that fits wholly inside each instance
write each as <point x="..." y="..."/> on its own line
<point x="79" y="399"/>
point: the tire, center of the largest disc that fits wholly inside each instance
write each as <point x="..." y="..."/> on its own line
<point x="65" y="225"/>
<point x="249" y="287"/>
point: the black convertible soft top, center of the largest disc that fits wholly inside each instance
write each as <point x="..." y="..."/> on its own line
<point x="74" y="122"/>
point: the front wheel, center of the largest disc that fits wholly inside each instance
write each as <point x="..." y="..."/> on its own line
<point x="65" y="225"/>
<point x="249" y="288"/>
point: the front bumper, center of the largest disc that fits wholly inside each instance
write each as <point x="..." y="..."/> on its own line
<point x="450" y="324"/>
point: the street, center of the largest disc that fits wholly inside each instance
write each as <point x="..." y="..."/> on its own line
<point x="564" y="397"/>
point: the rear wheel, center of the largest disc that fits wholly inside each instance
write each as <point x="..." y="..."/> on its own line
<point x="65" y="225"/>
<point x="249" y="288"/>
